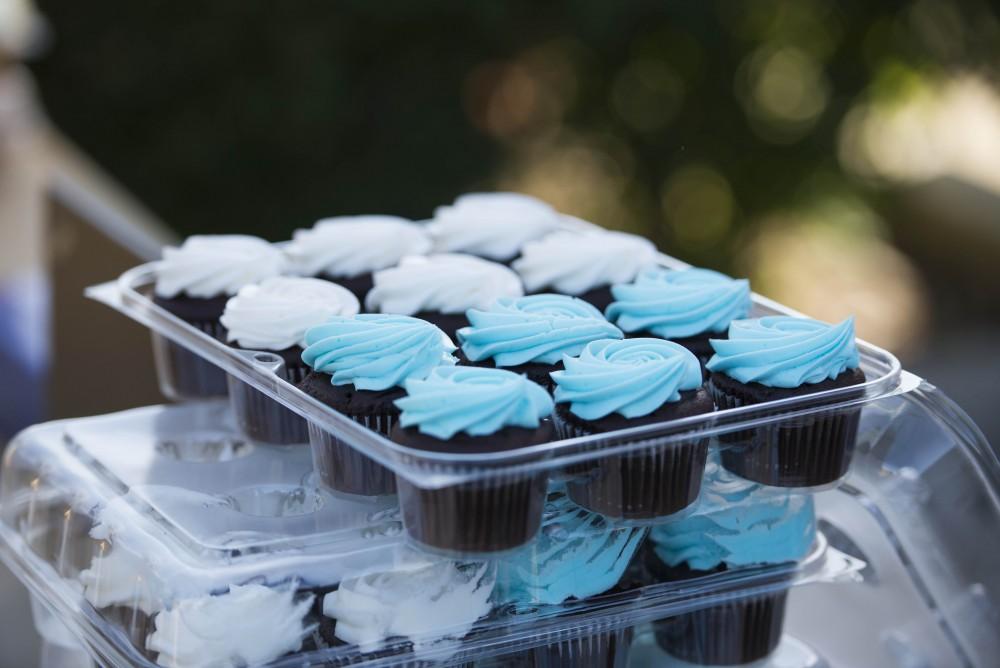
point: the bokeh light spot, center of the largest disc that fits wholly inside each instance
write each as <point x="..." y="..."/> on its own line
<point x="698" y="205"/>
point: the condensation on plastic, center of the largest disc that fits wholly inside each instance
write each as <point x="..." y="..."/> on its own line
<point x="192" y="507"/>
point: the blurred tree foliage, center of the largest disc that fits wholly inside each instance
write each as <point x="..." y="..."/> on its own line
<point x="262" y="117"/>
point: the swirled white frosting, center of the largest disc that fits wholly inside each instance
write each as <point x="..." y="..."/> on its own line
<point x="424" y="600"/>
<point x="275" y="314"/>
<point x="445" y="283"/>
<point x="573" y="262"/>
<point x="118" y="576"/>
<point x="216" y="265"/>
<point x="353" y="245"/>
<point x="493" y="225"/>
<point x="249" y="626"/>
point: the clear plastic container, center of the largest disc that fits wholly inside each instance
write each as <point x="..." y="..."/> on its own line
<point x="161" y="534"/>
<point x="802" y="441"/>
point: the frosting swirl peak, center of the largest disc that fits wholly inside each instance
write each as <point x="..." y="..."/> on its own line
<point x="275" y="313"/>
<point x="352" y="245"/>
<point x="206" y="266"/>
<point x="783" y="351"/>
<point x="493" y="225"/>
<point x="444" y="283"/>
<point x="633" y="377"/>
<point x="573" y="262"/>
<point x="474" y="400"/>
<point x="373" y="351"/>
<point x="679" y="304"/>
<point x="537" y="328"/>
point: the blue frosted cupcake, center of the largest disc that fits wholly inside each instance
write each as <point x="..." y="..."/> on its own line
<point x="359" y="366"/>
<point x="687" y="306"/>
<point x="474" y="410"/>
<point x="780" y="357"/>
<point x="576" y="555"/>
<point x="531" y="335"/>
<point x="616" y="385"/>
<point x="735" y="524"/>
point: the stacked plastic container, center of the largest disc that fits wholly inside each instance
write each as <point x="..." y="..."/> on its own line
<point x="185" y="535"/>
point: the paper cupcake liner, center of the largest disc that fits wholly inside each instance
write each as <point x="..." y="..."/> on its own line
<point x="343" y="469"/>
<point x="802" y="451"/>
<point x="730" y="633"/>
<point x="264" y="420"/>
<point x="608" y="649"/>
<point x="134" y="623"/>
<point x="476" y="518"/>
<point x="646" y="484"/>
<point x="189" y="375"/>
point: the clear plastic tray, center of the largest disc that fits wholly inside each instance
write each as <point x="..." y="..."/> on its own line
<point x="111" y="521"/>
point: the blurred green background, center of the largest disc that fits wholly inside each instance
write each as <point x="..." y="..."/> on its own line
<point x="844" y="156"/>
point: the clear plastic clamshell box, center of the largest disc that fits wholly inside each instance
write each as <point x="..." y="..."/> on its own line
<point x="161" y="536"/>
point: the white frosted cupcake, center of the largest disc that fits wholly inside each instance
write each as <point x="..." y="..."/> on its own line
<point x="584" y="264"/>
<point x="441" y="288"/>
<point x="349" y="249"/>
<point x="274" y="316"/>
<point x="492" y="225"/>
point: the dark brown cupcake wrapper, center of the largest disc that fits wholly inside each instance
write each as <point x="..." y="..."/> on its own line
<point x="804" y="451"/>
<point x="730" y="633"/>
<point x="264" y="420"/>
<point x="190" y="375"/>
<point x="645" y="484"/>
<point x="476" y="518"/>
<point x="343" y="469"/>
<point x="608" y="649"/>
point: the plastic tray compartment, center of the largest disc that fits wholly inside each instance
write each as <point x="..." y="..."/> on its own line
<point x="160" y="534"/>
<point x="774" y="443"/>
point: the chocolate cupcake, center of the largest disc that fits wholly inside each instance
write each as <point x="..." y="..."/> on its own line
<point x="359" y="367"/>
<point x="584" y="264"/>
<point x="530" y="335"/>
<point x="735" y="524"/>
<point x="494" y="226"/>
<point x="273" y="316"/>
<point x="349" y="249"/>
<point x="474" y="410"/>
<point x="441" y="288"/>
<point x="687" y="306"/>
<point x="616" y="385"/>
<point x="193" y="282"/>
<point x="420" y="599"/>
<point x="779" y="357"/>
<point x="577" y="555"/>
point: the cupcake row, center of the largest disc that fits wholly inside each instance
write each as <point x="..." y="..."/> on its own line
<point x="424" y="604"/>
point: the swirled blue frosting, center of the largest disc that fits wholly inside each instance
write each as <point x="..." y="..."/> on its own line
<point x="374" y="351"/>
<point x="633" y="377"/>
<point x="738" y="523"/>
<point x="679" y="304"/>
<point x="473" y="400"/>
<point x="576" y="555"/>
<point x="538" y="328"/>
<point x="782" y="351"/>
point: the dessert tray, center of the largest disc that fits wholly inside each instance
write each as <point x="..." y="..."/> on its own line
<point x="185" y="536"/>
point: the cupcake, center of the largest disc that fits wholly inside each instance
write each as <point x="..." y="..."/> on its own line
<point x="616" y="385"/>
<point x="423" y="600"/>
<point x="202" y="632"/>
<point x="193" y="282"/>
<point x="584" y="264"/>
<point x="474" y="410"/>
<point x="360" y="365"/>
<point x="577" y="555"/>
<point x="349" y="249"/>
<point x="687" y="306"/>
<point x="779" y="357"/>
<point x="530" y="335"/>
<point x="735" y="524"/>
<point x="494" y="226"/>
<point x="441" y="288"/>
<point x="273" y="316"/>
